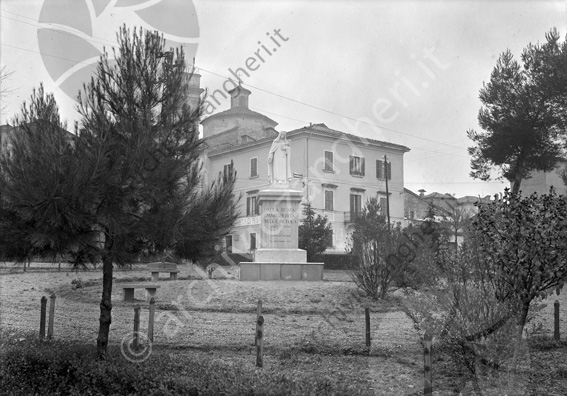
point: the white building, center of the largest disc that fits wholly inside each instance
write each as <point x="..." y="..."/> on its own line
<point x="336" y="171"/>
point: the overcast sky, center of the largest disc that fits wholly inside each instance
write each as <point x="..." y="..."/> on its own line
<point x="407" y="72"/>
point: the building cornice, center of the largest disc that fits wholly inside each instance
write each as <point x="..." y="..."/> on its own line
<point x="238" y="112"/>
<point x="323" y="131"/>
<point x="242" y="147"/>
<point x="305" y="133"/>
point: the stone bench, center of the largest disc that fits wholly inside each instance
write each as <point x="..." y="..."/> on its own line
<point x="129" y="290"/>
<point x="156" y="268"/>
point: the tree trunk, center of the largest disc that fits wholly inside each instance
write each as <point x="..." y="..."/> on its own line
<point x="521" y="322"/>
<point x="105" y="306"/>
<point x="517" y="177"/>
<point x="516" y="185"/>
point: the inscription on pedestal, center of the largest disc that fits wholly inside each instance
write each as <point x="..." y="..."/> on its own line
<point x="279" y="225"/>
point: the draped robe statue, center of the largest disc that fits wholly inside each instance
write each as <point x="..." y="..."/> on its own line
<point x="279" y="168"/>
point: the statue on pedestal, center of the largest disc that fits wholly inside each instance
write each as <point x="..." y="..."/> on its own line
<point x="279" y="168"/>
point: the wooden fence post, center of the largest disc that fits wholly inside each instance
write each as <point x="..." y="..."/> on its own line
<point x="136" y="326"/>
<point x="258" y="314"/>
<point x="367" y="315"/>
<point x="427" y="385"/>
<point x="151" y="319"/>
<point x="556" y="336"/>
<point x="42" y="317"/>
<point x="260" y="341"/>
<point x="51" y="316"/>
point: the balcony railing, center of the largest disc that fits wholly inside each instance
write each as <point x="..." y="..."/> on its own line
<point x="350" y="217"/>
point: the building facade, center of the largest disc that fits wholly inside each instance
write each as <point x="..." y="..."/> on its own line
<point x="452" y="211"/>
<point x="335" y="171"/>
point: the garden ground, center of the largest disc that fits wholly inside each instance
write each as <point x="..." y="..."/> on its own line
<point x="312" y="329"/>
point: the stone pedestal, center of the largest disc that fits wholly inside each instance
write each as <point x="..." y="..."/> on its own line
<point x="281" y="255"/>
<point x="278" y="257"/>
<point x="279" y="214"/>
<point x="281" y="271"/>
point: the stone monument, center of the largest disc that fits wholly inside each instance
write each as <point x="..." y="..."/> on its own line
<point x="278" y="257"/>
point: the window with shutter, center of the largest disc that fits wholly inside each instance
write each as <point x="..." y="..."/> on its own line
<point x="253" y="167"/>
<point x="251" y="206"/>
<point x="382" y="169"/>
<point x="357" y="166"/>
<point x="355" y="205"/>
<point x="351" y="203"/>
<point x="329" y="200"/>
<point x="383" y="207"/>
<point x="328" y="161"/>
<point x="379" y="169"/>
<point x="227" y="170"/>
<point x="330" y="239"/>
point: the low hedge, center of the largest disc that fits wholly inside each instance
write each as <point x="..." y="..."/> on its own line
<point x="337" y="261"/>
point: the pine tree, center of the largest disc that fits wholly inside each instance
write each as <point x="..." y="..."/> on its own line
<point x="523" y="114"/>
<point x="42" y="188"/>
<point x="134" y="183"/>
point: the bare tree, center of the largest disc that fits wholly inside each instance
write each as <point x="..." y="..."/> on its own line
<point x="457" y="218"/>
<point x="5" y="75"/>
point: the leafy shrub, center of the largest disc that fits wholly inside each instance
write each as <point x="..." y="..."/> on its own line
<point x="386" y="255"/>
<point x="471" y="323"/>
<point x="314" y="233"/>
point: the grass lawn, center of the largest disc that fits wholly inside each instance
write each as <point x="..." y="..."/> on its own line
<point x="314" y="331"/>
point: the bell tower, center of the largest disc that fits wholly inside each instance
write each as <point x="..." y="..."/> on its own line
<point x="194" y="81"/>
